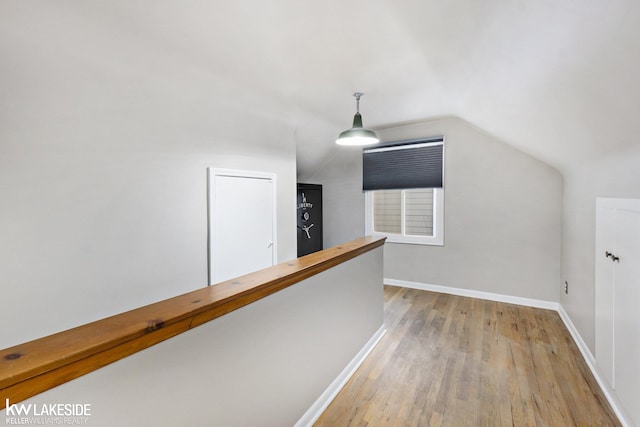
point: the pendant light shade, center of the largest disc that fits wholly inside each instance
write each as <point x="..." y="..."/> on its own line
<point x="357" y="135"/>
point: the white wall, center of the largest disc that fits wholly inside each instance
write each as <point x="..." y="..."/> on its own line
<point x="105" y="138"/>
<point x="342" y="196"/>
<point x="616" y="175"/>
<point x="503" y="213"/>
<point x="262" y="365"/>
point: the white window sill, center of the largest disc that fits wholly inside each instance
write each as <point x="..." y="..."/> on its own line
<point x="411" y="240"/>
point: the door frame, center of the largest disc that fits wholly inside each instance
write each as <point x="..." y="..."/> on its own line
<point x="212" y="172"/>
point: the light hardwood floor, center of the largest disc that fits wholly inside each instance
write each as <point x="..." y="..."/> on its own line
<point x="454" y="361"/>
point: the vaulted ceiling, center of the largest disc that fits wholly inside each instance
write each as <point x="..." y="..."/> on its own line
<point x="559" y="80"/>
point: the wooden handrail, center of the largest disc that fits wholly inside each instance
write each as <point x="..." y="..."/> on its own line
<point x="35" y="366"/>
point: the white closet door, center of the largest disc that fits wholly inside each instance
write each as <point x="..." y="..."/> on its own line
<point x="242" y="223"/>
<point x="627" y="312"/>
<point x="605" y="242"/>
<point x="618" y="300"/>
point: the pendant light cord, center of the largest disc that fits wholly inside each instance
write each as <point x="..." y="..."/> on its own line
<point x="358" y="95"/>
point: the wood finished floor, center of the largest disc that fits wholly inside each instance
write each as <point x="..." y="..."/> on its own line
<point x="454" y="361"/>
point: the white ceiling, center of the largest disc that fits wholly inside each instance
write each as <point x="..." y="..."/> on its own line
<point x="559" y="80"/>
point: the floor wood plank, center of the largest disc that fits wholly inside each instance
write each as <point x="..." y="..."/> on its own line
<point x="454" y="361"/>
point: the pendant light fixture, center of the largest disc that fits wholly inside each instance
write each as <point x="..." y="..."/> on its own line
<point x="357" y="135"/>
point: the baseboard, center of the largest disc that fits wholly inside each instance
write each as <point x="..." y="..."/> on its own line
<point x="586" y="353"/>
<point x="318" y="407"/>
<point x="591" y="362"/>
<point x="549" y="305"/>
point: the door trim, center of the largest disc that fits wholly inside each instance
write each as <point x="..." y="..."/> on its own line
<point x="212" y="172"/>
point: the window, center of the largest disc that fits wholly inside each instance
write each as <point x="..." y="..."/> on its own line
<point x="403" y="191"/>
<point x="406" y="216"/>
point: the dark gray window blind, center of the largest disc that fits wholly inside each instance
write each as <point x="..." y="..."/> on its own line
<point x="403" y="164"/>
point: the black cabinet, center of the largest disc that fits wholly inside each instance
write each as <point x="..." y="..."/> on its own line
<point x="309" y="214"/>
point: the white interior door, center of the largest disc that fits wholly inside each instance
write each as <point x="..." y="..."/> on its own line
<point x="617" y="298"/>
<point x="241" y="223"/>
<point x="605" y="280"/>
<point x="626" y="318"/>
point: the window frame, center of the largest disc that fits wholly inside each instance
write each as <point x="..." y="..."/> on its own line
<point x="438" y="221"/>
